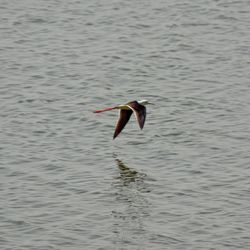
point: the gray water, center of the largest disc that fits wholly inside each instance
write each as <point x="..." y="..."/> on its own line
<point x="183" y="182"/>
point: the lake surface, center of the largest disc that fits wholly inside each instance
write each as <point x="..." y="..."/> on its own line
<point x="183" y="182"/>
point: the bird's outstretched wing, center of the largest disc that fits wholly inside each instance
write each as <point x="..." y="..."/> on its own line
<point x="139" y="111"/>
<point x="122" y="121"/>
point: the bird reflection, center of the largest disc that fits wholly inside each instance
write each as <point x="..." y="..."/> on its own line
<point x="127" y="175"/>
<point x="131" y="205"/>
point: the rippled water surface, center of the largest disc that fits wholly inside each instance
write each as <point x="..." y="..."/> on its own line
<point x="183" y="182"/>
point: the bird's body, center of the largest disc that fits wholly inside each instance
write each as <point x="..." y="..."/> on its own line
<point x="126" y="110"/>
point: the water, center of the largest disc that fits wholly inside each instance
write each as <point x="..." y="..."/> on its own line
<point x="181" y="183"/>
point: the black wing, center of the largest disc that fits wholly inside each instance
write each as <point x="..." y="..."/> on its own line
<point x="122" y="121"/>
<point x="140" y="112"/>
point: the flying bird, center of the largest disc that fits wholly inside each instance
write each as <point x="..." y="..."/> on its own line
<point x="126" y="110"/>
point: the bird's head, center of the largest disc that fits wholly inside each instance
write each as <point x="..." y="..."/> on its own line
<point x="144" y="102"/>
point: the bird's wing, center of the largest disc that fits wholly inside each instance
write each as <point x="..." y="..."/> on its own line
<point x="139" y="111"/>
<point x="122" y="121"/>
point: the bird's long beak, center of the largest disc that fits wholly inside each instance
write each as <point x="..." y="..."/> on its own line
<point x="151" y="103"/>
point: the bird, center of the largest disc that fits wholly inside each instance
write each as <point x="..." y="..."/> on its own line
<point x="125" y="112"/>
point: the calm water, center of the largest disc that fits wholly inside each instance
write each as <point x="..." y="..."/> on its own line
<point x="181" y="183"/>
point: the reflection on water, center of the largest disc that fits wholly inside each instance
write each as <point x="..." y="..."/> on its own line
<point x="128" y="175"/>
<point x="132" y="206"/>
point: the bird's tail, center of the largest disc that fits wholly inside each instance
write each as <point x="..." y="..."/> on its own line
<point x="103" y="110"/>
